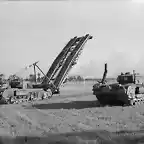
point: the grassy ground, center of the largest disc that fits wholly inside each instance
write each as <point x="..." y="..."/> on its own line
<point x="74" y="114"/>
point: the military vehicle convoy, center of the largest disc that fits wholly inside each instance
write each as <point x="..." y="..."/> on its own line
<point x="53" y="79"/>
<point x="128" y="90"/>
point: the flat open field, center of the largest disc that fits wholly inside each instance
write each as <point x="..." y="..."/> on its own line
<point x="74" y="111"/>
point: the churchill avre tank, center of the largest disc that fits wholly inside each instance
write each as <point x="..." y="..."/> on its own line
<point x="128" y="90"/>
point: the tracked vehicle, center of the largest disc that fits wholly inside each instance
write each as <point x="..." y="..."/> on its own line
<point x="128" y="90"/>
<point x="53" y="79"/>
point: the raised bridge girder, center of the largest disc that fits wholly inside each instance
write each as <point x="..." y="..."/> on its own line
<point x="56" y="62"/>
<point x="70" y="61"/>
<point x="65" y="61"/>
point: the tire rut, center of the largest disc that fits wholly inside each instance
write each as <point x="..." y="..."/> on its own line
<point x="37" y="119"/>
<point x="19" y="123"/>
<point x="10" y="126"/>
<point x="56" y="121"/>
<point x="23" y="118"/>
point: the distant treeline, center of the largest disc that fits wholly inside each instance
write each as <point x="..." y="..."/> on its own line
<point x="80" y="78"/>
<point x="39" y="78"/>
<point x="69" y="78"/>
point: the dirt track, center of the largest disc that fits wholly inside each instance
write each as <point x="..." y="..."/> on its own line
<point x="75" y="110"/>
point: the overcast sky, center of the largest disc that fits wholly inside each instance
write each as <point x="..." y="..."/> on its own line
<point x="31" y="31"/>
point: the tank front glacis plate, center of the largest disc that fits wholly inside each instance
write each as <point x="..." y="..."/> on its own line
<point x="110" y="93"/>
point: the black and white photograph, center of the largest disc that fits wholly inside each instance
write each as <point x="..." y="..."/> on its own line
<point x="72" y="71"/>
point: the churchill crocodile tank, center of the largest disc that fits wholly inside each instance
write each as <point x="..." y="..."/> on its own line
<point x="128" y="90"/>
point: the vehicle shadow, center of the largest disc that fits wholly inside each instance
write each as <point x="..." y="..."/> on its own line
<point x="68" y="105"/>
<point x="71" y="105"/>
<point x="85" y="137"/>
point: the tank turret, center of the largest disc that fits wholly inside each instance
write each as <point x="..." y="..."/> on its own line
<point x="126" y="78"/>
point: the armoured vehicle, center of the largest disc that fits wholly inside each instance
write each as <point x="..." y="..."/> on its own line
<point x="53" y="79"/>
<point x="127" y="90"/>
<point x="15" y="83"/>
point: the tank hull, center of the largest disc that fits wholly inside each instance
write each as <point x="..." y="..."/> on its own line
<point x="116" y="94"/>
<point x="15" y="96"/>
<point x="111" y="97"/>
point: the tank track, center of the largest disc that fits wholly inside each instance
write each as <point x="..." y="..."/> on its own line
<point x="132" y="98"/>
<point x="30" y="97"/>
<point x="134" y="102"/>
<point x="137" y="101"/>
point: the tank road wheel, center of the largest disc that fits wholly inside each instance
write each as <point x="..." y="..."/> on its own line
<point x="132" y="102"/>
<point x="49" y="93"/>
<point x="11" y="100"/>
